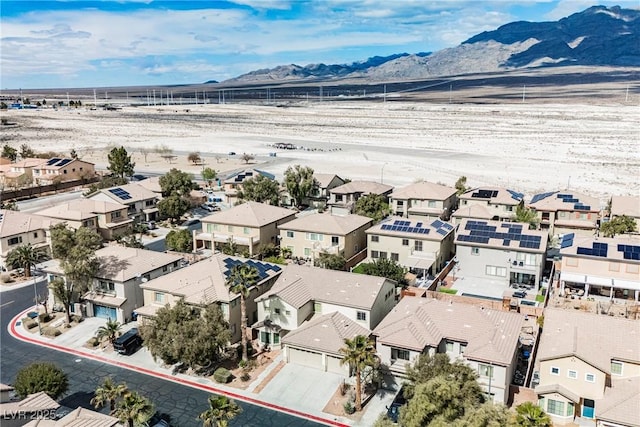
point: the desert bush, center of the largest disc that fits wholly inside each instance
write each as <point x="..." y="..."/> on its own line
<point x="6" y="278"/>
<point x="29" y="323"/>
<point x="48" y="331"/>
<point x="77" y="319"/>
<point x="245" y="377"/>
<point x="93" y="341"/>
<point x="349" y="408"/>
<point x="44" y="317"/>
<point x="222" y="375"/>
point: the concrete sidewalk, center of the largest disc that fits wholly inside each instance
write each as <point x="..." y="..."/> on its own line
<point x="296" y="390"/>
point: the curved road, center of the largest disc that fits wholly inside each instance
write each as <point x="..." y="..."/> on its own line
<point x="182" y="403"/>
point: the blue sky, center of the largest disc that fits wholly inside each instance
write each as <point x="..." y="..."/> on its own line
<point x="51" y="44"/>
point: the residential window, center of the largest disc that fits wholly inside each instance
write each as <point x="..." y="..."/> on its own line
<point x="485" y="370"/>
<point x="307" y="252"/>
<point x="35" y="235"/>
<point x="338" y="197"/>
<point x="159" y="297"/>
<point x="616" y="367"/>
<point x="509" y="208"/>
<point x="276" y="338"/>
<point x="335" y="240"/>
<point x="400" y="203"/>
<point x="397" y="353"/>
<point x="584" y="216"/>
<point x="290" y="234"/>
<point x="431" y="204"/>
<point x="590" y="378"/>
<point x="287" y="312"/>
<point x="175" y="263"/>
<point x="246" y="230"/>
<point x="164" y="269"/>
<point x="572" y="374"/>
<point x="417" y="245"/>
<point x="116" y="214"/>
<point x="405" y="242"/>
<point x="492" y="270"/>
<point x="276" y="310"/>
<point x="395" y="257"/>
<point x="383" y="255"/>
<point x="148" y="203"/>
<point x="230" y="228"/>
<point x="475" y="251"/>
<point x="555" y="407"/>
<point x="555" y="370"/>
<point x="315" y="237"/>
<point x="375" y="254"/>
<point x="449" y="346"/>
<point x="375" y="238"/>
<point x="15" y="240"/>
<point x="216" y="227"/>
<point x="107" y="286"/>
<point x="361" y="315"/>
<point x="463" y="348"/>
<point x="317" y="307"/>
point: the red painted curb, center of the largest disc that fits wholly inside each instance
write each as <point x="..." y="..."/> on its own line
<point x="193" y="384"/>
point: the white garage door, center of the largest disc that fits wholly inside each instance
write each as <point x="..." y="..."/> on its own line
<point x="333" y="365"/>
<point x="305" y="358"/>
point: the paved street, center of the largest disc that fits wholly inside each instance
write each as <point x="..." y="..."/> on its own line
<point x="182" y="403"/>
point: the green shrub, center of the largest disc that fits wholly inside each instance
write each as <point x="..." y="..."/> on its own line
<point x="48" y="331"/>
<point x="93" y="341"/>
<point x="77" y="319"/>
<point x="222" y="375"/>
<point x="242" y="364"/>
<point x="349" y="408"/>
<point x="245" y="377"/>
<point x="448" y="291"/>
<point x="44" y="317"/>
<point x="41" y="376"/>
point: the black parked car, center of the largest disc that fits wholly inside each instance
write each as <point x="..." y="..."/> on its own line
<point x="393" y="410"/>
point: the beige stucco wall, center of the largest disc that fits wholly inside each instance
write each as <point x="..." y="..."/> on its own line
<point x="623" y="269"/>
<point x="581" y="387"/>
<point x="35" y="238"/>
<point x="439" y="250"/>
<point x="498" y="210"/>
<point x="348" y="244"/>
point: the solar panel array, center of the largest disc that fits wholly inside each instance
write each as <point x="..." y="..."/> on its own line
<point x="481" y="232"/>
<point x="58" y="162"/>
<point x="567" y="240"/>
<point x="405" y="227"/>
<point x="577" y="205"/>
<point x="442" y="227"/>
<point x="630" y="251"/>
<point x="484" y="194"/>
<point x="262" y="267"/>
<point x="598" y="249"/>
<point x="515" y="195"/>
<point x="541" y="196"/>
<point x="242" y="175"/>
<point x="120" y="193"/>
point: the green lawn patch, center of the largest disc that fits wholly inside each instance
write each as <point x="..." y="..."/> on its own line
<point x="540" y="298"/>
<point x="448" y="291"/>
<point x="358" y="269"/>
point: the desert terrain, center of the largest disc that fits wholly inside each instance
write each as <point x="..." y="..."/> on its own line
<point x="589" y="148"/>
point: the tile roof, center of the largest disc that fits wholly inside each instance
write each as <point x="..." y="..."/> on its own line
<point x="621" y="402"/>
<point x="80" y="417"/>
<point x="423" y="191"/>
<point x="593" y="338"/>
<point x="324" y="179"/>
<point x="610" y="248"/>
<point x="60" y="163"/>
<point x="364" y="187"/>
<point x="564" y="201"/>
<point x="239" y="177"/>
<point x="137" y="193"/>
<point x="625" y="205"/>
<point x="37" y="402"/>
<point x="121" y="263"/>
<point x="325" y="333"/>
<point x="386" y="228"/>
<point x="29" y="162"/>
<point x="494" y="195"/>
<point x="13" y="223"/>
<point x="326" y="223"/>
<point x="250" y="214"/>
<point x="152" y="184"/>
<point x="298" y="285"/>
<point x="80" y="209"/>
<point x="201" y="283"/>
<point x="473" y="211"/>
<point x="517" y="236"/>
<point x="416" y="323"/>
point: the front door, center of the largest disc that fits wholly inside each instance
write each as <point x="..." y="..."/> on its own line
<point x="588" y="408"/>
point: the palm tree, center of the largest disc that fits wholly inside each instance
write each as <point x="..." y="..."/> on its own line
<point x="221" y="411"/>
<point x="133" y="409"/>
<point x="531" y="415"/>
<point x="241" y="278"/>
<point x="25" y="256"/>
<point x="358" y="353"/>
<point x="109" y="392"/>
<point x="109" y="330"/>
<point x="526" y="215"/>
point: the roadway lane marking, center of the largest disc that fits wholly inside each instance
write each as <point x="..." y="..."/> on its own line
<point x="7" y="303"/>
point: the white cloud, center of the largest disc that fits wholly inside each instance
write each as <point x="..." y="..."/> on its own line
<point x="568" y="7"/>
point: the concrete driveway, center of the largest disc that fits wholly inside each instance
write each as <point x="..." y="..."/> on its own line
<point x="306" y="389"/>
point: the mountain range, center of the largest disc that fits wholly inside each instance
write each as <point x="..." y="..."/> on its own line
<point x="597" y="36"/>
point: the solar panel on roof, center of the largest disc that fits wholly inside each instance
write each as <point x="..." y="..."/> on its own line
<point x="385" y="226"/>
<point x="53" y="161"/>
<point x="506" y="242"/>
<point x="541" y="196"/>
<point x="63" y="162"/>
<point x="442" y="231"/>
<point x="419" y="224"/>
<point x="436" y="224"/>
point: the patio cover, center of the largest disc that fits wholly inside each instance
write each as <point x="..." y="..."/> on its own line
<point x="573" y="277"/>
<point x="600" y="281"/>
<point x="626" y="284"/>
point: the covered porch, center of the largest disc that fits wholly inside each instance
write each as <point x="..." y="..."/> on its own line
<point x="594" y="286"/>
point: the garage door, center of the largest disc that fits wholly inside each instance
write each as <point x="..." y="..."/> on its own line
<point x="333" y="365"/>
<point x="305" y="358"/>
<point x="104" y="312"/>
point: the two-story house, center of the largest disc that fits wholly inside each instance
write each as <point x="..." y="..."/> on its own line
<point x="247" y="225"/>
<point x="310" y="235"/>
<point x="486" y="340"/>
<point x="62" y="169"/>
<point x="107" y="218"/>
<point x="586" y="362"/>
<point x="493" y="255"/>
<point x="490" y="203"/>
<point x="627" y="206"/>
<point x="601" y="266"/>
<point x="421" y="246"/>
<point x="566" y="212"/>
<point x="424" y="199"/>
<point x="204" y="283"/>
<point x="343" y="198"/>
<point x="18" y="174"/>
<point x="140" y="202"/>
<point x="233" y="184"/>
<point x="115" y="291"/>
<point x="309" y="311"/>
<point x="18" y="228"/>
